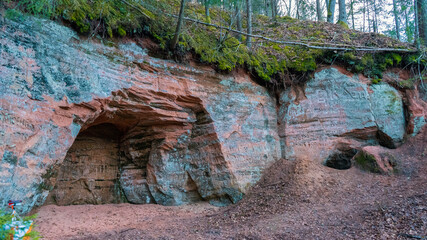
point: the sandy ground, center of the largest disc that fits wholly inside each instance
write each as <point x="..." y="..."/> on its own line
<point x="294" y="200"/>
<point x="71" y="222"/>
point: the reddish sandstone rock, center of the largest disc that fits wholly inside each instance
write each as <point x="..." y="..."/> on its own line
<point x="375" y="159"/>
<point x="185" y="134"/>
<point x="416" y="112"/>
<point x="334" y="113"/>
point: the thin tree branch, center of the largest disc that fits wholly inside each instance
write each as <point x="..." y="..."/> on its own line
<point x="368" y="49"/>
<point x="136" y="8"/>
<point x="333" y="47"/>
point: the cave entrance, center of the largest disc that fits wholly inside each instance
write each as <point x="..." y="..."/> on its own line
<point x="340" y="160"/>
<point x="89" y="173"/>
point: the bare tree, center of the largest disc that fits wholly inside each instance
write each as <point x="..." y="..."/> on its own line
<point x="331" y="10"/>
<point x="239" y="20"/>
<point x="342" y="12"/>
<point x="319" y="11"/>
<point x="352" y="13"/>
<point x="408" y="31"/>
<point x="273" y="8"/>
<point x="249" y="22"/>
<point x="178" y="25"/>
<point x="207" y="13"/>
<point x="421" y="20"/>
<point x="396" y="19"/>
<point x="364" y="15"/>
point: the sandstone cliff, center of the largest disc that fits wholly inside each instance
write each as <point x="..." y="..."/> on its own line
<point x="89" y="122"/>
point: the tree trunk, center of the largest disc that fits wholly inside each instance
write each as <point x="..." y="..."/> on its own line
<point x="422" y="21"/>
<point x="375" y="19"/>
<point x="273" y="8"/>
<point x="239" y="21"/>
<point x="408" y="31"/>
<point x="249" y="13"/>
<point x="207" y="13"/>
<point x="352" y="13"/>
<point x="265" y="9"/>
<point x="178" y="26"/>
<point x="364" y="15"/>
<point x="369" y="14"/>
<point x="331" y="10"/>
<point x="396" y="19"/>
<point x="343" y="13"/>
<point x="290" y="7"/>
<point x="319" y="11"/>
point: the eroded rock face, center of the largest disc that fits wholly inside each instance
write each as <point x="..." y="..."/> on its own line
<point x="332" y="109"/>
<point x="83" y="122"/>
<point x="375" y="159"/>
<point x="90" y="170"/>
<point x="185" y="134"/>
<point x="334" y="114"/>
<point x="387" y="108"/>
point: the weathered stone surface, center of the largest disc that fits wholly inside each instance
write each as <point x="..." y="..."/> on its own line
<point x="387" y="108"/>
<point x="375" y="159"/>
<point x="186" y="134"/>
<point x="335" y="113"/>
<point x="88" y="174"/>
<point x="330" y="108"/>
<point x="134" y="184"/>
<point x="416" y="112"/>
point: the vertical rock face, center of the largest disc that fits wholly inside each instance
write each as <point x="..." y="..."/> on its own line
<point x="184" y="134"/>
<point x="387" y="108"/>
<point x="86" y="122"/>
<point x="334" y="114"/>
<point x="332" y="107"/>
<point x="89" y="172"/>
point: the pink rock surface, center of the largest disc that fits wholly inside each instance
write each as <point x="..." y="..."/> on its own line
<point x="375" y="159"/>
<point x="193" y="134"/>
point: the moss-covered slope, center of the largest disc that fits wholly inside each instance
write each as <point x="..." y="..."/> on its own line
<point x="270" y="61"/>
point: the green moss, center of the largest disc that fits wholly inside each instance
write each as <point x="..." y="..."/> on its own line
<point x="376" y="80"/>
<point x="114" y="18"/>
<point x="367" y="162"/>
<point x="14" y="15"/>
<point x="286" y="19"/>
<point x="105" y="17"/>
<point x="295" y="28"/>
<point x="121" y="32"/>
<point x="394" y="106"/>
<point x="343" y="24"/>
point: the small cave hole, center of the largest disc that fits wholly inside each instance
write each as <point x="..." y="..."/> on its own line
<point x="340" y="160"/>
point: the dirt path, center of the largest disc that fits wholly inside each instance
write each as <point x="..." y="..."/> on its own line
<point x="294" y="200"/>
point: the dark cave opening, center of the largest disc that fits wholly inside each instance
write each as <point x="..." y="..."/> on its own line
<point x="340" y="160"/>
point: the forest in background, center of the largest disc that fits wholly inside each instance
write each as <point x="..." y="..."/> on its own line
<point x="395" y="18"/>
<point x="258" y="35"/>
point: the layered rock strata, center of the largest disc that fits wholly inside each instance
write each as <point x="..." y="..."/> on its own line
<point x="84" y="121"/>
<point x="336" y="113"/>
<point x="185" y="134"/>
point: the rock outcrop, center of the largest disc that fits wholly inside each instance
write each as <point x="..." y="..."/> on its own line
<point x="335" y="114"/>
<point x="85" y="121"/>
<point x="375" y="159"/>
<point x="175" y="133"/>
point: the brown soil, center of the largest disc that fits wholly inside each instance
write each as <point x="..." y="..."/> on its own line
<point x="294" y="200"/>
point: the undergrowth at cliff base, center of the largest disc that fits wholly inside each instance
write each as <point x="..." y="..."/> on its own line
<point x="6" y="218"/>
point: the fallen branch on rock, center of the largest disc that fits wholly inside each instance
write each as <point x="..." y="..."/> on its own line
<point x="322" y="46"/>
